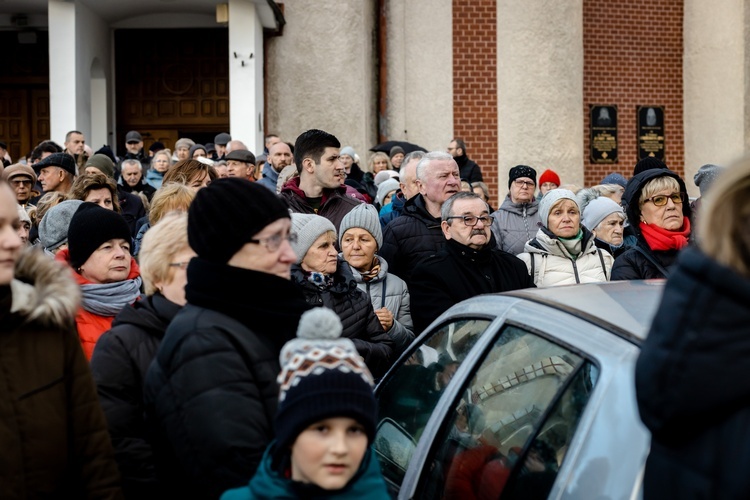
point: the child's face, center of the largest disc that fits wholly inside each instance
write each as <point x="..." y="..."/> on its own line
<point x="329" y="452"/>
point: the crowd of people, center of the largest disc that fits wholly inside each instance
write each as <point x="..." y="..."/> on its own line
<point x="211" y="322"/>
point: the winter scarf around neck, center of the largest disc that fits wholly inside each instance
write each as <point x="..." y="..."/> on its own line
<point x="108" y="299"/>
<point x="573" y="245"/>
<point x="661" y="239"/>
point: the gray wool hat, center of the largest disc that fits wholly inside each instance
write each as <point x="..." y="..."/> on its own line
<point x="347" y="150"/>
<point x="53" y="229"/>
<point x="364" y="216"/>
<point x="384" y="188"/>
<point x="599" y="209"/>
<point x="308" y="228"/>
<point x="184" y="143"/>
<point x="706" y="176"/>
<point x="551" y="198"/>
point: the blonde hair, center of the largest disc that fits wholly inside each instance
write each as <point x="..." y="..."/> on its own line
<point x="724" y="219"/>
<point x="47" y="201"/>
<point x="171" y="197"/>
<point x="186" y="171"/>
<point x="160" y="245"/>
<point x="371" y="163"/>
<point x="658" y="184"/>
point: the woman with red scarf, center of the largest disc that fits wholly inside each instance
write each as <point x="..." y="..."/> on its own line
<point x="658" y="210"/>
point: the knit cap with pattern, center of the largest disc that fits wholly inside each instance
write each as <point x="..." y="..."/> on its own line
<point x="322" y="376"/>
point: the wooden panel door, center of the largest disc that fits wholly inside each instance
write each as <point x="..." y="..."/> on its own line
<point x="24" y="119"/>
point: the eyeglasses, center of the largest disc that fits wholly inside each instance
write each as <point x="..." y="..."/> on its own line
<point x="521" y="184"/>
<point x="21" y="182"/>
<point x="471" y="220"/>
<point x="661" y="199"/>
<point x="272" y="243"/>
<point x="181" y="265"/>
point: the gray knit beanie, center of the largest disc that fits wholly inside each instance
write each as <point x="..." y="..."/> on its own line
<point x="706" y="176"/>
<point x="551" y="198"/>
<point x="599" y="209"/>
<point x="53" y="229"/>
<point x="384" y="188"/>
<point x="184" y="143"/>
<point x="347" y="150"/>
<point x="364" y="216"/>
<point x="308" y="228"/>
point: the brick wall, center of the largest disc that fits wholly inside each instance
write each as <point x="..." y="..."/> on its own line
<point x="475" y="83"/>
<point x="633" y="56"/>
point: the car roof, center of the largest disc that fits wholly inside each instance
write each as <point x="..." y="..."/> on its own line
<point x="624" y="307"/>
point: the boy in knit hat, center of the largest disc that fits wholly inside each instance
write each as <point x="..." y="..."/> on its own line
<point x="325" y="423"/>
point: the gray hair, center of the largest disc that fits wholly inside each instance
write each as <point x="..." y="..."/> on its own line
<point x="425" y="161"/>
<point x="447" y="208"/>
<point x="414" y="155"/>
<point x="131" y="162"/>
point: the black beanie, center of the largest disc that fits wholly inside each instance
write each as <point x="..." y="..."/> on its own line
<point x="91" y="226"/>
<point x="521" y="171"/>
<point x="227" y="214"/>
<point x="648" y="163"/>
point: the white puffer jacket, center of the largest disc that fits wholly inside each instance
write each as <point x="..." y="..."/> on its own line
<point x="550" y="264"/>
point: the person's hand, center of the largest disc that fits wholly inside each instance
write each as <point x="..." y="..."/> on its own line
<point x="386" y="318"/>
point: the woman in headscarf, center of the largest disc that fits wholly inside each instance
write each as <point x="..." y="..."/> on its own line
<point x="325" y="281"/>
<point x="659" y="214"/>
<point x="99" y="254"/>
<point x="563" y="251"/>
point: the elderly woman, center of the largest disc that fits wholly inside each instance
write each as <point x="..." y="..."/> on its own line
<point x="605" y="219"/>
<point x="563" y="251"/>
<point x="99" y="254"/>
<point x="160" y="163"/>
<point x="361" y="236"/>
<point x="25" y="225"/>
<point x="53" y="230"/>
<point x="659" y="214"/>
<point x="123" y="354"/>
<point x="192" y="173"/>
<point x="96" y="188"/>
<point x="326" y="281"/>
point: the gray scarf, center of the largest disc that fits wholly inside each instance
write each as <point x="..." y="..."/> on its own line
<point x="109" y="298"/>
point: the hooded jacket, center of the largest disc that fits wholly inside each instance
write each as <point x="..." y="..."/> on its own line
<point x="458" y="272"/>
<point x="692" y="386"/>
<point x="270" y="177"/>
<point x="515" y="224"/>
<point x="553" y="265"/>
<point x="53" y="435"/>
<point x="468" y="169"/>
<point x="119" y="365"/>
<point x="389" y="291"/>
<point x="358" y="319"/>
<point x="639" y="261"/>
<point x="411" y="238"/>
<point x="334" y="205"/>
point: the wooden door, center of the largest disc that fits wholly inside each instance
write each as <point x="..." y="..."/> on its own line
<point x="24" y="119"/>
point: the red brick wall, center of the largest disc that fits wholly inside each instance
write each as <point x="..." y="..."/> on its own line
<point x="475" y="83"/>
<point x="633" y="56"/>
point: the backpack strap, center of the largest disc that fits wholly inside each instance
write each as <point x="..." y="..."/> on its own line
<point x="382" y="298"/>
<point x="652" y="260"/>
<point x="601" y="259"/>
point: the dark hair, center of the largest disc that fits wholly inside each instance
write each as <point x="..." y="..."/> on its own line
<point x="45" y="147"/>
<point x="86" y="183"/>
<point x="67" y="136"/>
<point x="311" y="144"/>
<point x="447" y="208"/>
<point x="460" y="144"/>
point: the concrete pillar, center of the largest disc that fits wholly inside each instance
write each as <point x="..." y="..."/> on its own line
<point x="540" y="87"/>
<point x="714" y="84"/>
<point x="246" y="75"/>
<point x="62" y="69"/>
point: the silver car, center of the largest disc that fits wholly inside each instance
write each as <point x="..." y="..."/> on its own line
<point x="528" y="394"/>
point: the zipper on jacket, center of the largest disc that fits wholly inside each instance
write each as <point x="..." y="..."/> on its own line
<point x="575" y="271"/>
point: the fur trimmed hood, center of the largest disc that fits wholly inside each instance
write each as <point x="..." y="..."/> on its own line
<point x="44" y="291"/>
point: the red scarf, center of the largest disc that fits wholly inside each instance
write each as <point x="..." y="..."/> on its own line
<point x="659" y="238"/>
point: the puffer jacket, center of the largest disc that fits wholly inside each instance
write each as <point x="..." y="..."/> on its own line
<point x="53" y="434"/>
<point x="358" y="319"/>
<point x="396" y="299"/>
<point x="119" y="365"/>
<point x="639" y="261"/>
<point x="692" y="386"/>
<point x="334" y="205"/>
<point x="553" y="265"/>
<point x="411" y="238"/>
<point x="515" y="224"/>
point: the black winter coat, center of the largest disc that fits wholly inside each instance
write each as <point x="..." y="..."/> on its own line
<point x="131" y="208"/>
<point x="468" y="169"/>
<point x="353" y="306"/>
<point x="692" y="386"/>
<point x="411" y="238"/>
<point x="457" y="273"/>
<point x="119" y="364"/>
<point x="211" y="392"/>
<point x="640" y="262"/>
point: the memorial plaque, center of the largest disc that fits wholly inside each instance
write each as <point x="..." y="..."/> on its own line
<point x="651" y="132"/>
<point x="603" y="141"/>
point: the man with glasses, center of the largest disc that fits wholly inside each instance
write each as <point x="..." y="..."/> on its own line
<point x="466" y="266"/>
<point x="211" y="391"/>
<point x="517" y="219"/>
<point x="22" y="179"/>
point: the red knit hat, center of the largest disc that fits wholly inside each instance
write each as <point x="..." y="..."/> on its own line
<point x="549" y="176"/>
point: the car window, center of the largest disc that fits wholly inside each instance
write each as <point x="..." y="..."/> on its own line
<point x="406" y="399"/>
<point x="512" y="423"/>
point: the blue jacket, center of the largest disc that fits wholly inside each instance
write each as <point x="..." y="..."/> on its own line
<point x="392" y="210"/>
<point x="270" y="177"/>
<point x="154" y="178"/>
<point x="367" y="484"/>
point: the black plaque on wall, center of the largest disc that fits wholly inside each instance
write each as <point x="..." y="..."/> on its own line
<point x="651" y="132"/>
<point x="603" y="143"/>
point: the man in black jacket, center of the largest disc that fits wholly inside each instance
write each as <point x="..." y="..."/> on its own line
<point x="211" y="391"/>
<point x="470" y="171"/>
<point x="468" y="264"/>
